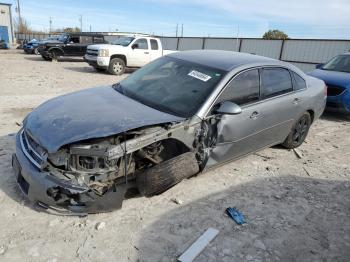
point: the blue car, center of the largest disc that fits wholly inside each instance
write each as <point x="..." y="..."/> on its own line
<point x="31" y="47"/>
<point x="336" y="75"/>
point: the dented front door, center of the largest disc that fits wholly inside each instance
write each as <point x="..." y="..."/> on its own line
<point x="238" y="135"/>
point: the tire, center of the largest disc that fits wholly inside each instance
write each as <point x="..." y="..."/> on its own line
<point x="116" y="66"/>
<point x="161" y="177"/>
<point x="54" y="55"/>
<point x="299" y="132"/>
<point x="36" y="51"/>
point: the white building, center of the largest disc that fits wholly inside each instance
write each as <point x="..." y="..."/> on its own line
<point x="6" y="27"/>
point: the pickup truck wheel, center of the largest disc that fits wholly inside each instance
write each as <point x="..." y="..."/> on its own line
<point x="116" y="66"/>
<point x="299" y="132"/>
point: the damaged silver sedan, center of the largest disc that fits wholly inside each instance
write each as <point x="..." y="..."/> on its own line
<point x="175" y="117"/>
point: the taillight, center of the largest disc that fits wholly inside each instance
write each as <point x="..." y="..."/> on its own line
<point x="325" y="90"/>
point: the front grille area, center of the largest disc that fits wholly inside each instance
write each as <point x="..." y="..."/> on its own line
<point x="333" y="90"/>
<point x="92" y="52"/>
<point x="35" y="153"/>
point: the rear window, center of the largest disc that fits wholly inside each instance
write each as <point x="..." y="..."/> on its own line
<point x="275" y="81"/>
<point x="298" y="82"/>
<point x="154" y="44"/>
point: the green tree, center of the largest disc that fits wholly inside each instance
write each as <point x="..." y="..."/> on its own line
<point x="275" y="34"/>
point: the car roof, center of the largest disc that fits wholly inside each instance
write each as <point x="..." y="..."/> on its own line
<point x="224" y="60"/>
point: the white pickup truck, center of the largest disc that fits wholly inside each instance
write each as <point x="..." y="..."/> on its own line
<point x="126" y="51"/>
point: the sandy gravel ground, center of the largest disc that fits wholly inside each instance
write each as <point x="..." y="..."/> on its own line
<point x="297" y="209"/>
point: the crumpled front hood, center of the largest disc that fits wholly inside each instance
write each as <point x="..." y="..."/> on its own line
<point x="91" y="113"/>
<point x="332" y="77"/>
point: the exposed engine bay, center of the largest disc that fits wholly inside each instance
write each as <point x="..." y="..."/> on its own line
<point x="144" y="159"/>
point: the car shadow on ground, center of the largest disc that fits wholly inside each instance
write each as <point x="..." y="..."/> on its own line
<point x="91" y="70"/>
<point x="335" y="116"/>
<point x="34" y="58"/>
<point x="289" y="218"/>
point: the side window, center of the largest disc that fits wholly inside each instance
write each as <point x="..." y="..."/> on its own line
<point x="142" y="43"/>
<point x="74" y="39"/>
<point x="243" y="89"/>
<point x="298" y="81"/>
<point x="98" y="39"/>
<point x="154" y="44"/>
<point x="275" y="81"/>
<point x="86" y="39"/>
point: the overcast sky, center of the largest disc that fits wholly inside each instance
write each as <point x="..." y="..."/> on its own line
<point x="226" y="18"/>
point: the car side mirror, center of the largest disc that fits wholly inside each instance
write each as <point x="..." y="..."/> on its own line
<point x="319" y="66"/>
<point x="229" y="108"/>
<point x="135" y="46"/>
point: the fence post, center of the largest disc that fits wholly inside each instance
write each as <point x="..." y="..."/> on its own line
<point x="281" y="51"/>
<point x="177" y="44"/>
<point x="240" y="45"/>
<point x="203" y="43"/>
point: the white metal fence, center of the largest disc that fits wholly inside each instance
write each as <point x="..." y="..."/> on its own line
<point x="304" y="53"/>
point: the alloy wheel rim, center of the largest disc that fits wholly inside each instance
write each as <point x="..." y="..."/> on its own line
<point x="300" y="130"/>
<point x="117" y="67"/>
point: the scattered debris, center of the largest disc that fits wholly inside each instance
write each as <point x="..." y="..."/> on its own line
<point x="2" y="250"/>
<point x="197" y="247"/>
<point x="297" y="153"/>
<point x="335" y="146"/>
<point x="307" y="172"/>
<point x="18" y="123"/>
<point x="177" y="201"/>
<point x="100" y="225"/>
<point x="235" y="215"/>
<point x="263" y="156"/>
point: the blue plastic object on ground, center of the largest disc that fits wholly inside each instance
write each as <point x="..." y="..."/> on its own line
<point x="235" y="215"/>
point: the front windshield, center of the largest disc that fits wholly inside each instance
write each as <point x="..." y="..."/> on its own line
<point x="63" y="38"/>
<point x="124" y="41"/>
<point x="339" y="63"/>
<point x="171" y="85"/>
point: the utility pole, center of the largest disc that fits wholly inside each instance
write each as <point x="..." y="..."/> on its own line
<point x="182" y="30"/>
<point x="81" y="23"/>
<point x="19" y="17"/>
<point x="50" y="25"/>
<point x="90" y="28"/>
<point x="177" y="28"/>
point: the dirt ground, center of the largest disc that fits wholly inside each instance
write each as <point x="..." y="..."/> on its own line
<point x="297" y="209"/>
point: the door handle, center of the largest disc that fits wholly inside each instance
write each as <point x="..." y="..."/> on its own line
<point x="146" y="53"/>
<point x="254" y="115"/>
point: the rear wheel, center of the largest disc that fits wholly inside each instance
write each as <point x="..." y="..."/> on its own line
<point x="116" y="66"/>
<point x="299" y="132"/>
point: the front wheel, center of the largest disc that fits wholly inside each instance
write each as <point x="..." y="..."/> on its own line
<point x="299" y="132"/>
<point x="116" y="66"/>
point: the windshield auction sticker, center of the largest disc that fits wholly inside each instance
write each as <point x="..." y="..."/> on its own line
<point x="199" y="75"/>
